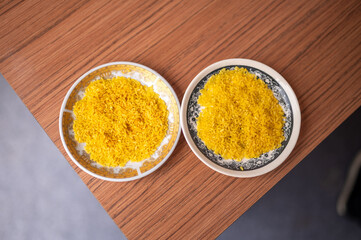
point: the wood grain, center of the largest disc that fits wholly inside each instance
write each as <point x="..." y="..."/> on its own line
<point x="46" y="45"/>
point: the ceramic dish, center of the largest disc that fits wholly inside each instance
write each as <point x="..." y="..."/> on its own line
<point x="252" y="167"/>
<point x="132" y="170"/>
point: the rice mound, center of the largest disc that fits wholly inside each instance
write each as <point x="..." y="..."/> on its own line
<point x="120" y="120"/>
<point x="240" y="116"/>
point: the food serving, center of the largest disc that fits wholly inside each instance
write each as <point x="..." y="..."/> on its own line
<point x="240" y="116"/>
<point x="120" y="120"/>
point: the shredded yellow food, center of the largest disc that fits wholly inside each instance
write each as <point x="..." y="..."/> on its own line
<point x="120" y="120"/>
<point x="240" y="118"/>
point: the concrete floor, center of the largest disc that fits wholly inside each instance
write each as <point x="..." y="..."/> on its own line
<point x="41" y="197"/>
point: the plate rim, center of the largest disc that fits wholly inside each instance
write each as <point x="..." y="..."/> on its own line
<point x="63" y="108"/>
<point x="293" y="101"/>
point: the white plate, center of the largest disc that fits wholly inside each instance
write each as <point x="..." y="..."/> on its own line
<point x="252" y="167"/>
<point x="132" y="170"/>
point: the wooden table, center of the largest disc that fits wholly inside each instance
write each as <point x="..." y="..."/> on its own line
<point x="316" y="45"/>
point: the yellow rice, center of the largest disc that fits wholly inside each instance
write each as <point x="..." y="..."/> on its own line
<point x="120" y="120"/>
<point x="241" y="118"/>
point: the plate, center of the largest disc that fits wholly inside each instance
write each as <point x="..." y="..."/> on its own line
<point x="252" y="167"/>
<point x="132" y="170"/>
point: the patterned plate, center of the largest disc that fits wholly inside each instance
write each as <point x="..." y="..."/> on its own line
<point x="132" y="170"/>
<point x="255" y="166"/>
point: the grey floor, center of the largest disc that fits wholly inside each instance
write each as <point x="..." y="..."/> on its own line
<point x="41" y="197"/>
